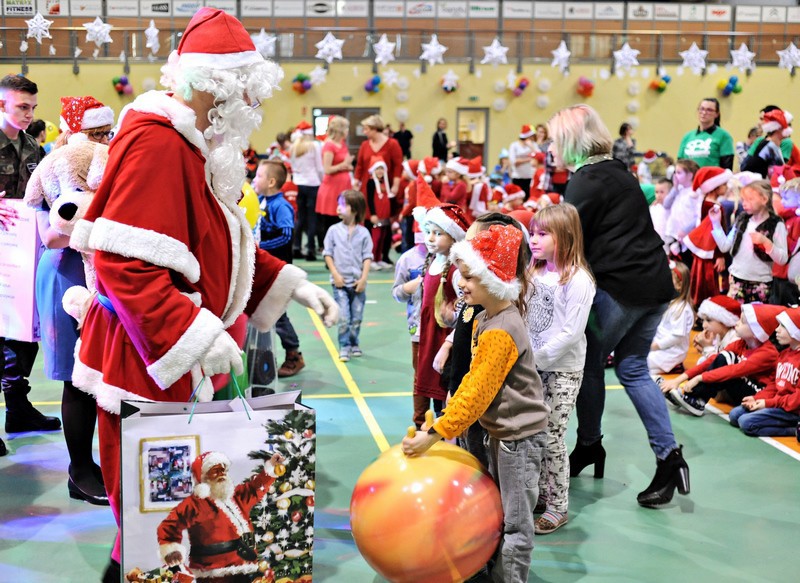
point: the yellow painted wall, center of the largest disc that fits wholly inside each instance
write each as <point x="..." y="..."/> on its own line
<point x="663" y="118"/>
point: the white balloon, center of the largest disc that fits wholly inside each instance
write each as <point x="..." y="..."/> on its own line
<point x="634" y="88"/>
<point x="499" y="86"/>
<point x="148" y="83"/>
<point x="544" y="85"/>
<point x="634" y="121"/>
<point x="604" y="74"/>
<point x="499" y="104"/>
<point x="633" y="106"/>
<point x="401" y="114"/>
<point x="542" y="101"/>
<point x="403" y="83"/>
<point x="401" y="97"/>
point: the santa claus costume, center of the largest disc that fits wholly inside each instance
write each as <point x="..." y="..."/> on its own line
<point x="175" y="257"/>
<point x="221" y="543"/>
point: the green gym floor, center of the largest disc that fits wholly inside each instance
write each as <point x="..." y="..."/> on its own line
<point x="741" y="521"/>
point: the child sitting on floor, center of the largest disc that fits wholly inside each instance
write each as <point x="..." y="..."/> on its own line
<point x="671" y="342"/>
<point x="719" y="315"/>
<point x="744" y="367"/>
<point x="775" y="410"/>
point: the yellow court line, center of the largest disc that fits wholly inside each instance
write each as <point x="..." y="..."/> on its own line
<point x="370" y="282"/>
<point x="365" y="395"/>
<point x="350" y="383"/>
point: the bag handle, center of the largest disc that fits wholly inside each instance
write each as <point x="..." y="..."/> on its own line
<point x="194" y="397"/>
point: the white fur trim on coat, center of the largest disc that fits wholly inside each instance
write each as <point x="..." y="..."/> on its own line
<point x="137" y="243"/>
<point x="192" y="345"/>
<point x="225" y="571"/>
<point x="168" y="548"/>
<point x="478" y="268"/>
<point x="274" y="303"/>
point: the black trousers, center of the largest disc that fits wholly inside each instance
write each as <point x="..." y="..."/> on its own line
<point x="736" y="388"/>
<point x="19" y="357"/>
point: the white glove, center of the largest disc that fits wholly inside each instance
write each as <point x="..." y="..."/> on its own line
<point x="316" y="298"/>
<point x="222" y="356"/>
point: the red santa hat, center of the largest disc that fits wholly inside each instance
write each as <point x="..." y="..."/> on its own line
<point x="539" y="157"/>
<point x="789" y="118"/>
<point x="458" y="165"/>
<point x="700" y="241"/>
<point x="524" y="216"/>
<point x="200" y="466"/>
<point x="216" y="40"/>
<point x="710" y="177"/>
<point x="450" y="218"/>
<point x="526" y="132"/>
<point x="649" y="157"/>
<point x="304" y="128"/>
<point x="762" y="319"/>
<point x="474" y="168"/>
<point x="722" y="309"/>
<point x="378" y="162"/>
<point x="491" y="256"/>
<point x="790" y="319"/>
<point x="774" y="121"/>
<point x="430" y="165"/>
<point x="512" y="192"/>
<point x="411" y="167"/>
<point x="426" y="199"/>
<point x="84" y="113"/>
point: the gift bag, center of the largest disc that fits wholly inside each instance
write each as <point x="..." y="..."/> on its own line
<point x="199" y="503"/>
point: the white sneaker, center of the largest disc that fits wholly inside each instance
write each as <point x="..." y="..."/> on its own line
<point x="344" y="355"/>
<point x="374" y="266"/>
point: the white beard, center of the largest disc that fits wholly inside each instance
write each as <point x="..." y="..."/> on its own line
<point x="221" y="489"/>
<point x="225" y="161"/>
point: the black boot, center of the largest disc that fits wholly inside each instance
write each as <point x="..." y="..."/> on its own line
<point x="3" y="449"/>
<point x="113" y="573"/>
<point x="586" y="455"/>
<point x="671" y="473"/>
<point x="27" y="418"/>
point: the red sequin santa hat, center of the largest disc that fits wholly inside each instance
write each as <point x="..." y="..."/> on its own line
<point x="411" y="167"/>
<point x="430" y="165"/>
<point x="474" y="167"/>
<point x="458" y="165"/>
<point x="426" y="199"/>
<point x="217" y="40"/>
<point x="201" y="465"/>
<point x="84" y="113"/>
<point x="774" y="121"/>
<point x="700" y="240"/>
<point x="710" y="177"/>
<point x="491" y="256"/>
<point x="790" y="319"/>
<point x="762" y="319"/>
<point x="526" y="132"/>
<point x="723" y="309"/>
<point x="450" y="218"/>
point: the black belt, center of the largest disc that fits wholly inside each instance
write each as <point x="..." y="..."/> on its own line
<point x="245" y="551"/>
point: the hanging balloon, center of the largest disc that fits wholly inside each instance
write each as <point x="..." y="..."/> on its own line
<point x="401" y="114"/>
<point x="542" y="101"/>
<point x="301" y="83"/>
<point x="634" y="88"/>
<point x="499" y="104"/>
<point x="499" y="86"/>
<point x="148" y="83"/>
<point x="401" y="97"/>
<point x="633" y="106"/>
<point x="544" y="85"/>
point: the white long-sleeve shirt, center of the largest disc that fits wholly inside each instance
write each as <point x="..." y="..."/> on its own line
<point x="683" y="205"/>
<point x="746" y="265"/>
<point x="519" y="151"/>
<point x="557" y="316"/>
<point x="672" y="338"/>
<point x="307" y="169"/>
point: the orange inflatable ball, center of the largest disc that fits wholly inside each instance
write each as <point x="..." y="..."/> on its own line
<point x="436" y="518"/>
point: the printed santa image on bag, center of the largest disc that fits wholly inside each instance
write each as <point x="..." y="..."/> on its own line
<point x="249" y="513"/>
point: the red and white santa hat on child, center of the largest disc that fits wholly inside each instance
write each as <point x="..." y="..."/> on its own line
<point x="474" y="167"/>
<point x="84" y="113"/>
<point x="700" y="241"/>
<point x="200" y="467"/>
<point x="774" y="121"/>
<point x="526" y="132"/>
<point x="458" y="165"/>
<point x="722" y="309"/>
<point x="491" y="256"/>
<point x="430" y="165"/>
<point x="790" y="319"/>
<point x="710" y="177"/>
<point x="378" y="162"/>
<point x="450" y="218"/>
<point x="411" y="167"/>
<point x="649" y="157"/>
<point x="426" y="199"/>
<point x="216" y="40"/>
<point x="762" y="319"/>
<point x="512" y="192"/>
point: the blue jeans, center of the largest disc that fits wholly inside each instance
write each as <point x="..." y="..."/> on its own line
<point x="627" y="331"/>
<point x="515" y="466"/>
<point x="769" y="422"/>
<point x="287" y="334"/>
<point x="351" y="311"/>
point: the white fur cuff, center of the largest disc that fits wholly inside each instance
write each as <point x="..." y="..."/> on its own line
<point x="168" y="548"/>
<point x="274" y="303"/>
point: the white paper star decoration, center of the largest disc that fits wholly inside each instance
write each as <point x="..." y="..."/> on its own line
<point x="98" y="32"/>
<point x="318" y="75"/>
<point x="390" y="77"/>
<point x="625" y="58"/>
<point x="743" y="58"/>
<point x="790" y="57"/>
<point x="694" y="58"/>
<point x="151" y="36"/>
<point x="495" y="54"/>
<point x="330" y="48"/>
<point x="38" y="27"/>
<point x="433" y="51"/>
<point x="265" y="43"/>
<point x="384" y="51"/>
<point x="449" y="80"/>
<point x="561" y="57"/>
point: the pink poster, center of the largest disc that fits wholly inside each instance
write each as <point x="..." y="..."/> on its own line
<point x="19" y="252"/>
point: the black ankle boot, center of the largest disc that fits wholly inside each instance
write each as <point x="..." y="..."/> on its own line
<point x="671" y="473"/>
<point x="586" y="455"/>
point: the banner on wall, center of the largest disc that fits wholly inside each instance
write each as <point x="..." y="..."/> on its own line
<point x="578" y="10"/>
<point x="50" y="8"/>
<point x="484" y="9"/>
<point x="257" y="8"/>
<point x="449" y="9"/>
<point x="793" y="14"/>
<point x="185" y="8"/>
<point x="389" y="8"/>
<point x="123" y="8"/>
<point x="639" y="11"/>
<point x="415" y="9"/>
<point x="773" y="14"/>
<point x="352" y="8"/>
<point x="156" y="8"/>
<point x="694" y="12"/>
<point x="718" y="13"/>
<point x="548" y="10"/>
<point x="290" y="8"/>
<point x="227" y="6"/>
<point x="518" y="10"/>
<point x="748" y="14"/>
<point x="666" y="12"/>
<point x="320" y="8"/>
<point x="609" y="11"/>
<point x="86" y="8"/>
<point x="19" y="8"/>
<point x="19" y="253"/>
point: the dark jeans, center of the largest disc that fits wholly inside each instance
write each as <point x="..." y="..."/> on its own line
<point x="306" y="218"/>
<point x="769" y="422"/>
<point x="737" y="388"/>
<point x="19" y="359"/>
<point x="285" y="331"/>
<point x="407" y="225"/>
<point x="628" y="332"/>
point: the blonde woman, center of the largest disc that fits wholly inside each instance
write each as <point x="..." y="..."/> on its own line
<point x="378" y="144"/>
<point x="307" y="173"/>
<point x="337" y="165"/>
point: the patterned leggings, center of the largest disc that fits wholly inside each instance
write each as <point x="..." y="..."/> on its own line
<point x="560" y="392"/>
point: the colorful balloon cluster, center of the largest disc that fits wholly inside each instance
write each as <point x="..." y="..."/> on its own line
<point x="522" y="83"/>
<point x="373" y="85"/>
<point x="301" y="83"/>
<point x="660" y="85"/>
<point x="585" y="87"/>
<point x="122" y="85"/>
<point x="732" y="85"/>
<point x="449" y="87"/>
